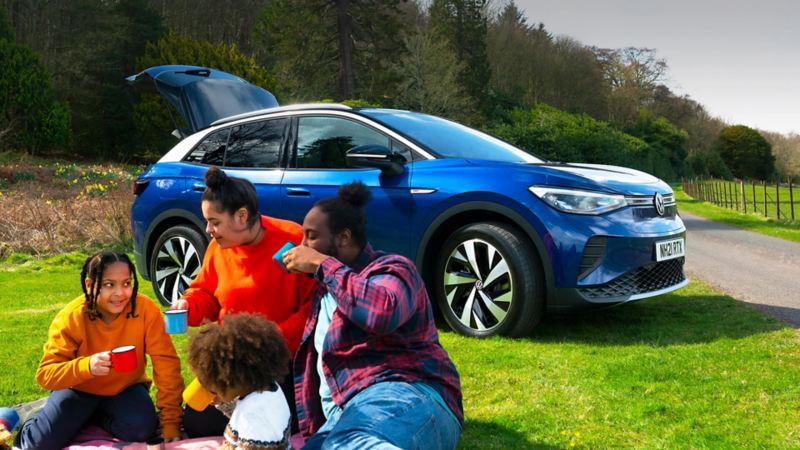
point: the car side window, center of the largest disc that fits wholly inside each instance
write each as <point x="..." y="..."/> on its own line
<point x="323" y="141"/>
<point x="256" y="144"/>
<point x="211" y="150"/>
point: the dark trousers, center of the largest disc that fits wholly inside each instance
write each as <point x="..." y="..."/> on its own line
<point x="129" y="416"/>
<point x="211" y="422"/>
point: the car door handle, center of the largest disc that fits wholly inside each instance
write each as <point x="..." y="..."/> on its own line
<point x="200" y="187"/>
<point x="298" y="192"/>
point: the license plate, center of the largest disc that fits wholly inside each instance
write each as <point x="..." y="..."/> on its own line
<point x="670" y="249"/>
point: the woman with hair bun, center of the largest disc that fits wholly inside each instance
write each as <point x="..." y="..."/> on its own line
<point x="238" y="274"/>
<point x="370" y="371"/>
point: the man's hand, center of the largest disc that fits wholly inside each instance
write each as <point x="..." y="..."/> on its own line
<point x="100" y="364"/>
<point x="180" y="303"/>
<point x="303" y="259"/>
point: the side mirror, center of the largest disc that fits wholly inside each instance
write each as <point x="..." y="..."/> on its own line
<point x="377" y="156"/>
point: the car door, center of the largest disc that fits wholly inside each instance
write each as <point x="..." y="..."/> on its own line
<point x="253" y="151"/>
<point x="318" y="167"/>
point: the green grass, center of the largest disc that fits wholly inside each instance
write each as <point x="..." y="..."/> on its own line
<point x="694" y="369"/>
<point x="729" y="195"/>
<point x="753" y="222"/>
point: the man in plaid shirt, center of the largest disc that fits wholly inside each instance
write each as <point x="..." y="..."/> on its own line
<point x="370" y="371"/>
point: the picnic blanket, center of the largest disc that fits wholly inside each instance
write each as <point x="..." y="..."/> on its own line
<point x="96" y="438"/>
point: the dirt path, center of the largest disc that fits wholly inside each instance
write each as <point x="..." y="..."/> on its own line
<point x="757" y="269"/>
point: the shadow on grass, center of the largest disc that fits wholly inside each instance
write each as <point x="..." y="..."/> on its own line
<point x="480" y="434"/>
<point x="663" y="321"/>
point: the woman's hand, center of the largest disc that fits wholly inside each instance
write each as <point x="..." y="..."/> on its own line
<point x="180" y="303"/>
<point x="303" y="259"/>
<point x="100" y="364"/>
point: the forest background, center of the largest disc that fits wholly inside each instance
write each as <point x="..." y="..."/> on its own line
<point x="479" y="62"/>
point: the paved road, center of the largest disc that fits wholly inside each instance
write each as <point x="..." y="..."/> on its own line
<point x="760" y="270"/>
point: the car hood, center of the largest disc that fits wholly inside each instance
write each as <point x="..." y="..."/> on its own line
<point x="621" y="180"/>
<point x="596" y="177"/>
<point x="203" y="95"/>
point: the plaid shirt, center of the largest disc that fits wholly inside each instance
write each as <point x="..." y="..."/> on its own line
<point x="382" y="330"/>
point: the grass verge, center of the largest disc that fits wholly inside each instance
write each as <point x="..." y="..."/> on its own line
<point x="694" y="369"/>
<point x="753" y="222"/>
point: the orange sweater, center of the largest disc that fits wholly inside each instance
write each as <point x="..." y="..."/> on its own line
<point x="246" y="279"/>
<point x="73" y="339"/>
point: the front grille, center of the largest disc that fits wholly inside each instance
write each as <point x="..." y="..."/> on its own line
<point x="640" y="281"/>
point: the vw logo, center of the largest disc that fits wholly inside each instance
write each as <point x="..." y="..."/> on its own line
<point x="479" y="284"/>
<point x="658" y="202"/>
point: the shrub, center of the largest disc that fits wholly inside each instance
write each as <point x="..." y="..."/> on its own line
<point x="746" y="152"/>
<point x="30" y="117"/>
<point x="556" y="135"/>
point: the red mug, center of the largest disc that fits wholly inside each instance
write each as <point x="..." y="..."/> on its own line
<point x="123" y="359"/>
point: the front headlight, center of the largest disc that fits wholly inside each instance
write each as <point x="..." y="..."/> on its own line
<point x="578" y="202"/>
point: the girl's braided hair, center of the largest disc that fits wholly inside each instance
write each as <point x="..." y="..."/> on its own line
<point x="93" y="269"/>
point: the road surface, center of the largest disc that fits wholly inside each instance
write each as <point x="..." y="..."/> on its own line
<point x="761" y="270"/>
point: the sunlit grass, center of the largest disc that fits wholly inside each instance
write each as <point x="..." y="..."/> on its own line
<point x="694" y="369"/>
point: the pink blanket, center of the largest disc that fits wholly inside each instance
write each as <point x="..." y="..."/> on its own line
<point x="95" y="438"/>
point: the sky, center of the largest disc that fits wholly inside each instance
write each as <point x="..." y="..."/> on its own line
<point x="740" y="59"/>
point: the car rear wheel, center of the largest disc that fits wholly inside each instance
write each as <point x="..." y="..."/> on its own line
<point x="489" y="281"/>
<point x="175" y="262"/>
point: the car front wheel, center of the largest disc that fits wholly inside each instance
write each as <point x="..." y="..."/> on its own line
<point x="175" y="262"/>
<point x="489" y="281"/>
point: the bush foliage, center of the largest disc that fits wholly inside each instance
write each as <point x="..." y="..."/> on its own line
<point x="560" y="136"/>
<point x="746" y="152"/>
<point x="30" y="115"/>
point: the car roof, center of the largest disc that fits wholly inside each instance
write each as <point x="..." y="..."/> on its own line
<point x="279" y="109"/>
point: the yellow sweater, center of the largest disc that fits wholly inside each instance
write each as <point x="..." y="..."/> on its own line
<point x="73" y="339"/>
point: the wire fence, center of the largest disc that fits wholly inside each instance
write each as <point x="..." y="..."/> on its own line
<point x="778" y="200"/>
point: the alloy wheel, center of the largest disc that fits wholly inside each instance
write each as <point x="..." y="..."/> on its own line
<point x="478" y="285"/>
<point x="176" y="265"/>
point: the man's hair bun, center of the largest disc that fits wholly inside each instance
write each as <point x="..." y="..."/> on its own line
<point x="215" y="177"/>
<point x="355" y="194"/>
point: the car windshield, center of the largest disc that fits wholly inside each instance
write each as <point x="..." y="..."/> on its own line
<point x="448" y="139"/>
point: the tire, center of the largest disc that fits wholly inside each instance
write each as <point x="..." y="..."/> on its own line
<point x="488" y="281"/>
<point x="175" y="262"/>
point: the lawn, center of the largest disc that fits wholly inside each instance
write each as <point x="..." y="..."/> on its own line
<point x="753" y="222"/>
<point x="694" y="369"/>
<point x="729" y="194"/>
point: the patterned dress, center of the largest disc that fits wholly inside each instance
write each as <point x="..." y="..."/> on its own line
<point x="261" y="421"/>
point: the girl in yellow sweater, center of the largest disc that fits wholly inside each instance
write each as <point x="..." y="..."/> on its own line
<point x="87" y="387"/>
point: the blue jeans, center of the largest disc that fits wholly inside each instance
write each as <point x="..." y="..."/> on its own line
<point x="389" y="415"/>
<point x="129" y="416"/>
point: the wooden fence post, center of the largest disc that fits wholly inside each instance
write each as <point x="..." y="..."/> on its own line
<point x="766" y="209"/>
<point x="778" y="198"/>
<point x="755" y="205"/>
<point x="735" y="195"/>
<point x="744" y="199"/>
<point x="791" y="198"/>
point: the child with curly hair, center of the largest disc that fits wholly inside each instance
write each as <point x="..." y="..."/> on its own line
<point x="241" y="361"/>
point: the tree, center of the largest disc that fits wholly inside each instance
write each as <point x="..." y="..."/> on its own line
<point x="30" y="116"/>
<point x="666" y="144"/>
<point x="324" y="48"/>
<point x="530" y="66"/>
<point x="633" y="74"/>
<point x="463" y="25"/>
<point x="7" y="32"/>
<point x="746" y="152"/>
<point x="430" y="79"/>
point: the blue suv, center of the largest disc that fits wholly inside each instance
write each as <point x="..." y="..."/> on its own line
<point x="500" y="236"/>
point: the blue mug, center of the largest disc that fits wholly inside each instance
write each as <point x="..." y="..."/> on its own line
<point x="176" y="321"/>
<point x="278" y="256"/>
